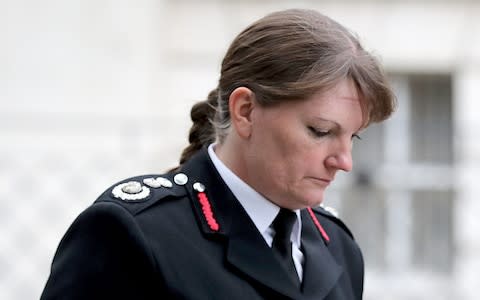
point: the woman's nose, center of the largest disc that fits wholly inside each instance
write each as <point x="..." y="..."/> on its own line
<point x="341" y="159"/>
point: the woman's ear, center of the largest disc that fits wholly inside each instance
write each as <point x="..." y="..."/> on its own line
<point x="241" y="104"/>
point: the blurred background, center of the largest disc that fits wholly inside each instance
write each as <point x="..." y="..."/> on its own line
<point x="92" y="92"/>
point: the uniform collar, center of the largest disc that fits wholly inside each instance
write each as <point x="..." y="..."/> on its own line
<point x="261" y="211"/>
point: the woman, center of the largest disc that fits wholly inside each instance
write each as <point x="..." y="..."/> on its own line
<point x="235" y="219"/>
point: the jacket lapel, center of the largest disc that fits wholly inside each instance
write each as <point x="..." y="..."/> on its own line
<point x="246" y="250"/>
<point x="320" y="271"/>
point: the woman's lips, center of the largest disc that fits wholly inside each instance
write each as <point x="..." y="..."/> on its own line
<point x="324" y="181"/>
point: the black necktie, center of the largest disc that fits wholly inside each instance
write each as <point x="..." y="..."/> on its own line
<point x="281" y="246"/>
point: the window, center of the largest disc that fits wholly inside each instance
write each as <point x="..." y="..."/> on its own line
<point x="399" y="198"/>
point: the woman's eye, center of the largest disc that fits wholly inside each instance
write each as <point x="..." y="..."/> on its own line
<point x="317" y="132"/>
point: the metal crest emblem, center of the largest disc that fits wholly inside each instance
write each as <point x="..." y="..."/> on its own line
<point x="131" y="191"/>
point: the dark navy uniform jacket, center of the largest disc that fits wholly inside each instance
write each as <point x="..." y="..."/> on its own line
<point x="182" y="242"/>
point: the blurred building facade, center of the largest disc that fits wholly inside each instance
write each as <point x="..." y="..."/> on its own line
<point x="92" y="92"/>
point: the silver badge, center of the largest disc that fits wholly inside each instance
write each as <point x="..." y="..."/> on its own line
<point x="331" y="210"/>
<point x="180" y="179"/>
<point x="199" y="187"/>
<point x="165" y="182"/>
<point x="157" y="182"/>
<point x="152" y="182"/>
<point x="130" y="191"/>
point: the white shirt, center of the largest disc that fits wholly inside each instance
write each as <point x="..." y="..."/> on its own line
<point x="261" y="211"/>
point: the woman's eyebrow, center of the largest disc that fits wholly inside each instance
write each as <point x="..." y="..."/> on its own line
<point x="336" y="124"/>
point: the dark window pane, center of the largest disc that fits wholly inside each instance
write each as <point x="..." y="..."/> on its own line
<point x="432" y="230"/>
<point x="431" y="115"/>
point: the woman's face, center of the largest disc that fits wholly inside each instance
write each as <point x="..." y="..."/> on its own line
<point x="296" y="147"/>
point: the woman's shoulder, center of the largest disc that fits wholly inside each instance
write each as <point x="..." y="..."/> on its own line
<point x="330" y="216"/>
<point x="138" y="193"/>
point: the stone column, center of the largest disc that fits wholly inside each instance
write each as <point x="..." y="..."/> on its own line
<point x="467" y="149"/>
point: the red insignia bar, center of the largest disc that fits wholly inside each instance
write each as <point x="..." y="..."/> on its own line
<point x="319" y="226"/>
<point x="207" y="212"/>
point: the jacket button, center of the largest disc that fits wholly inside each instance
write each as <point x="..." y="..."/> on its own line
<point x="180" y="179"/>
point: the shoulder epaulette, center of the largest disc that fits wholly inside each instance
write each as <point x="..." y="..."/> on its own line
<point x="138" y="193"/>
<point x="331" y="215"/>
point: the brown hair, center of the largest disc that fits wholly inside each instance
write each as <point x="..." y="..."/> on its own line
<point x="290" y="55"/>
